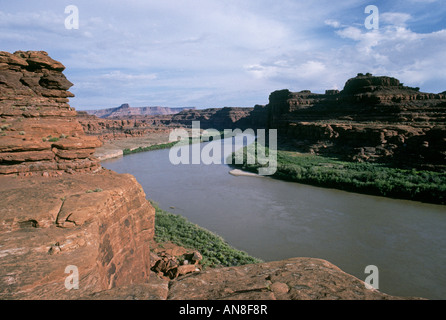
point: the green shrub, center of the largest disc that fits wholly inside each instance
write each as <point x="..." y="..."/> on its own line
<point x="215" y="251"/>
<point x="368" y="178"/>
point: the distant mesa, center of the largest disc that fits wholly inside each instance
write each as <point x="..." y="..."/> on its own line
<point x="126" y="111"/>
<point x="373" y="118"/>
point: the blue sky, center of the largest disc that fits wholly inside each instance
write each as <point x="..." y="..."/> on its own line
<point x="215" y="53"/>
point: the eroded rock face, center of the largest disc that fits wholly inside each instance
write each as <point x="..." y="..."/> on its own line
<point x="371" y="119"/>
<point x="101" y="223"/>
<point x="215" y="118"/>
<point x="122" y="126"/>
<point x="127" y="127"/>
<point x="292" y="279"/>
<point x="39" y="131"/>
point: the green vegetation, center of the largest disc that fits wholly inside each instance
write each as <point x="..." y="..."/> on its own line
<point x="163" y="145"/>
<point x="215" y="251"/>
<point x="95" y="190"/>
<point x="53" y="139"/>
<point x="150" y="148"/>
<point x="368" y="178"/>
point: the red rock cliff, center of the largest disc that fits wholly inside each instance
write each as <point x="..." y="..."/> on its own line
<point x="39" y="131"/>
<point x="96" y="220"/>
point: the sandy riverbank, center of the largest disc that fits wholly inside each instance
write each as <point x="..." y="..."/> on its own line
<point x="238" y="172"/>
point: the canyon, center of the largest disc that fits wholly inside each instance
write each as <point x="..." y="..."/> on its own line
<point x="60" y="207"/>
<point x="373" y="119"/>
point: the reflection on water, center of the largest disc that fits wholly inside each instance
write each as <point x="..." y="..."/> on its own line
<point x="274" y="220"/>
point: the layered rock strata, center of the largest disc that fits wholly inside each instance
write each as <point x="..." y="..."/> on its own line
<point x="39" y="131"/>
<point x="371" y="119"/>
<point x="99" y="223"/>
<point x="96" y="221"/>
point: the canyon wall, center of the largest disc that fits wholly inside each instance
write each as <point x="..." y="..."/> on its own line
<point x="39" y="131"/>
<point x="59" y="207"/>
<point x="139" y="126"/>
<point x="371" y="119"/>
<point x="100" y="223"/>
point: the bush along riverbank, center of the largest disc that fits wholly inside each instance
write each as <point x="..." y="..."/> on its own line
<point x="190" y="140"/>
<point x="149" y="148"/>
<point x="368" y="178"/>
<point x="216" y="252"/>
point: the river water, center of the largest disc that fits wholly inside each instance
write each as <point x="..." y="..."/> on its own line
<point x="274" y="220"/>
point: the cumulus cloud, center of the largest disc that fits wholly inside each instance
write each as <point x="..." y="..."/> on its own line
<point x="395" y="18"/>
<point x="214" y="53"/>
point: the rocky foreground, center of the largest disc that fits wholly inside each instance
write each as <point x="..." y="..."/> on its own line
<point x="60" y="208"/>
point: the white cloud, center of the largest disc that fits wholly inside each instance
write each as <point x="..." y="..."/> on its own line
<point x="205" y="52"/>
<point x="118" y="75"/>
<point x="332" y="23"/>
<point x="395" y="18"/>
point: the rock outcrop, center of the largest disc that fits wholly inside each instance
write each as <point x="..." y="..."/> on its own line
<point x="371" y="119"/>
<point x="100" y="223"/>
<point x="291" y="279"/>
<point x="39" y="131"/>
<point x="130" y="126"/>
<point x="95" y="220"/>
<point x="215" y="118"/>
<point x="126" y="127"/>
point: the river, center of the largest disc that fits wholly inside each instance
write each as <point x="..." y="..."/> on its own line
<point x="274" y="220"/>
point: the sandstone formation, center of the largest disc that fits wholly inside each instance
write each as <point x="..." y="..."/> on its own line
<point x="131" y="126"/>
<point x="215" y="118"/>
<point x="126" y="127"/>
<point x="101" y="223"/>
<point x="39" y="131"/>
<point x="96" y="220"/>
<point x="371" y="119"/>
<point x="292" y="279"/>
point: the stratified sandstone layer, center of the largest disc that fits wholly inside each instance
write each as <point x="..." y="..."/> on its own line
<point x="101" y="223"/>
<point x="130" y="126"/>
<point x="371" y="119"/>
<point x="96" y="220"/>
<point x="39" y="133"/>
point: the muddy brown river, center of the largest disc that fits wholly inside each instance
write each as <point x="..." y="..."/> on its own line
<point x="274" y="220"/>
